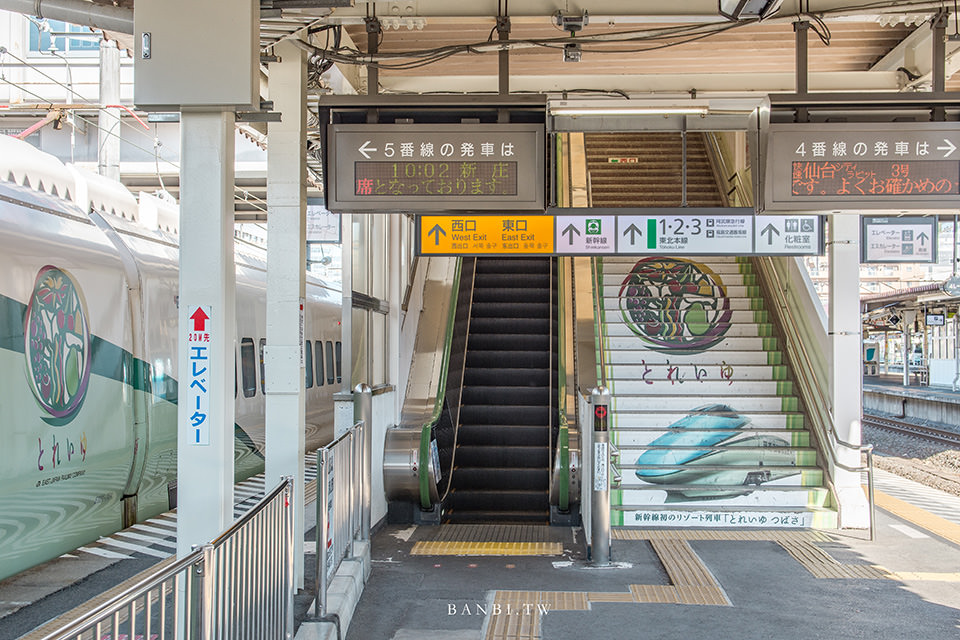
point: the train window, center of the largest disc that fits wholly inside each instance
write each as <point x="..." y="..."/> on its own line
<point x="308" y="363"/>
<point x="248" y="368"/>
<point x="330" y="371"/>
<point x="263" y="379"/>
<point x="339" y="349"/>
<point x="319" y="359"/>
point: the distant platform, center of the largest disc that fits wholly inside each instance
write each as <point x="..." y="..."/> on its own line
<point x="893" y="385"/>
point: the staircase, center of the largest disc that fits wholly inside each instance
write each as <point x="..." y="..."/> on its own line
<point x="502" y="458"/>
<point x="704" y="413"/>
<point x="631" y="169"/>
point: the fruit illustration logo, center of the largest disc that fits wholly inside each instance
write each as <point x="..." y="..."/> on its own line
<point x="674" y="304"/>
<point x="57" y="343"/>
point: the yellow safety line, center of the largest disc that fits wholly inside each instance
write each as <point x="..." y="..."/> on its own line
<point x="459" y="548"/>
<point x="918" y="516"/>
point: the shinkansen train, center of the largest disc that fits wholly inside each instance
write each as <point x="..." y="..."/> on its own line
<point x="88" y="357"/>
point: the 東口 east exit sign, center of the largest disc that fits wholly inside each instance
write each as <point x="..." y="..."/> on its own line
<point x="436" y="167"/>
<point x="854" y="166"/>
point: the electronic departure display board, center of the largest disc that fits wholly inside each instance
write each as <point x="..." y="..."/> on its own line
<point x="855" y="166"/>
<point x="876" y="178"/>
<point x="419" y="178"/>
<point x="436" y="167"/>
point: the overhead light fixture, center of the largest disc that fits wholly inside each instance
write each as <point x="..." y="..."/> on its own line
<point x="629" y="108"/>
<point x="748" y="9"/>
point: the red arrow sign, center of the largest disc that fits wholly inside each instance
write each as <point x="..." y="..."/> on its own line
<point x="199" y="319"/>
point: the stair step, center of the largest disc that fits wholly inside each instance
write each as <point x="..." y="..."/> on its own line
<point x="684" y="383"/>
<point x="613" y="292"/>
<point x="741" y="516"/>
<point x="749" y="475"/>
<point x="655" y="420"/>
<point x="623" y="314"/>
<point x="632" y="358"/>
<point x="730" y="277"/>
<point x="641" y="439"/>
<point x="633" y="343"/>
<point x="705" y="369"/>
<point x="621" y="267"/>
<point x="670" y="329"/>
<point x="741" y="404"/>
<point x="771" y="495"/>
<point x="502" y="478"/>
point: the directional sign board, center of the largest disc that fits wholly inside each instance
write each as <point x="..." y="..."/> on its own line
<point x="604" y="233"/>
<point x="898" y="239"/>
<point x="789" y="235"/>
<point x="436" y="167"/>
<point x="484" y="235"/>
<point x="837" y="166"/>
<point x="198" y="391"/>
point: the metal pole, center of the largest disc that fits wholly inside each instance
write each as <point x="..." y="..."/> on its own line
<point x="289" y="543"/>
<point x="600" y="498"/>
<point x="323" y="524"/>
<point x="364" y="406"/>
<point x="873" y="510"/>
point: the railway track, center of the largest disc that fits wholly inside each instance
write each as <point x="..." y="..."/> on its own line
<point x="909" y="428"/>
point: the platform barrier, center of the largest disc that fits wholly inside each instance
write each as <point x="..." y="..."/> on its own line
<point x="341" y="516"/>
<point x="239" y="585"/>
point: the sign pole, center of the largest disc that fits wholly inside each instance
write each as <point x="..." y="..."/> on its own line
<point x="600" y="502"/>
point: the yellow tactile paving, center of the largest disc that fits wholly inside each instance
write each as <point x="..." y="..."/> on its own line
<point x="463" y="548"/>
<point x="918" y="516"/>
<point x="925" y="576"/>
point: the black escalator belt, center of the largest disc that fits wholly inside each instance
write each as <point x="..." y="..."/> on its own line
<point x="502" y="466"/>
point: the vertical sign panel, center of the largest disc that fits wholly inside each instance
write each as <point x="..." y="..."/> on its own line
<point x="198" y="395"/>
<point x="898" y="239"/>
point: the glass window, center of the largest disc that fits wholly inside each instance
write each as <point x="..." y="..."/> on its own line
<point x="308" y="363"/>
<point x="248" y="368"/>
<point x="319" y="360"/>
<point x="53" y="36"/>
<point x="339" y="371"/>
<point x="330" y="371"/>
<point x="263" y="384"/>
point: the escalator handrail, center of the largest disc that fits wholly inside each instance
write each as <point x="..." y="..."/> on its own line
<point x="426" y="432"/>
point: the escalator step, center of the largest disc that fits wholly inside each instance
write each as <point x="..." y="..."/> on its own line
<point x="480" y="343"/>
<point x="502" y="456"/>
<point x="499" y="500"/>
<point x="513" y="435"/>
<point x="506" y="309"/>
<point x="481" y="517"/>
<point x="505" y="396"/>
<point x="507" y="376"/>
<point x="535" y="326"/>
<point x="514" y="294"/>
<point x="502" y="479"/>
<point x="511" y="281"/>
<point x="497" y="415"/>
<point x="513" y="265"/>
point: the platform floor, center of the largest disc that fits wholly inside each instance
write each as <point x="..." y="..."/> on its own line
<point x="893" y="384"/>
<point x="741" y="584"/>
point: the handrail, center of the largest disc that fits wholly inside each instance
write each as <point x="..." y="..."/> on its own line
<point x="463" y="371"/>
<point x="427" y="429"/>
<point x="563" y="436"/>
<point x="597" y="272"/>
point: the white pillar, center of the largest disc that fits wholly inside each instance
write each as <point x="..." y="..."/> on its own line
<point x="846" y="371"/>
<point x="286" y="270"/>
<point x="108" y="136"/>
<point x="907" y="319"/>
<point x="208" y="279"/>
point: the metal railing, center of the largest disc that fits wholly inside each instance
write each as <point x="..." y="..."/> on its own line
<point x="238" y="586"/>
<point x="340" y="505"/>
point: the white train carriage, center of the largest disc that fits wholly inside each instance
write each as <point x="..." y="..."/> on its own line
<point x="88" y="357"/>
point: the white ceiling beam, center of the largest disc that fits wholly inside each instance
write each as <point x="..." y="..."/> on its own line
<point x="714" y="83"/>
<point x="913" y="53"/>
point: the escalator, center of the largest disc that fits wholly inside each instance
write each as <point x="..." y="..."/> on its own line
<point x="502" y="456"/>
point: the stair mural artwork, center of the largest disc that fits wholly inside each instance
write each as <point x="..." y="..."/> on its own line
<point x="709" y="429"/>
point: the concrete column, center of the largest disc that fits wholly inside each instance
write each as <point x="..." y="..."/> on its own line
<point x="208" y="280"/>
<point x="108" y="136"/>
<point x="286" y="282"/>
<point x="846" y="370"/>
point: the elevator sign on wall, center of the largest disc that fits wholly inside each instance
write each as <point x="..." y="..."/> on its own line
<point x="853" y="166"/>
<point x="436" y="167"/>
<point x="898" y="239"/>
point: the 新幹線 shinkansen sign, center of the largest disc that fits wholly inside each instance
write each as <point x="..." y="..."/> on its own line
<point x="436" y="167"/>
<point x="853" y="166"/>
